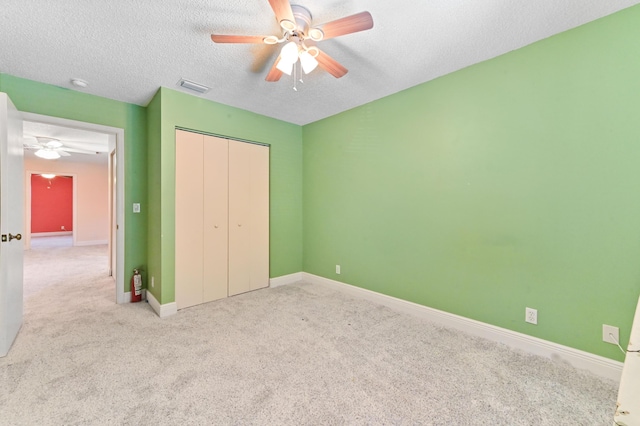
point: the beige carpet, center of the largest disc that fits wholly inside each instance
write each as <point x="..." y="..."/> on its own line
<point x="298" y="354"/>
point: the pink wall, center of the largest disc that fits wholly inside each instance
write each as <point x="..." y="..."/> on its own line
<point x="51" y="204"/>
<point x="92" y="186"/>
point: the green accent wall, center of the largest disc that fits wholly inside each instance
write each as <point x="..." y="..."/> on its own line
<point x="171" y="109"/>
<point x="509" y="184"/>
<point x="154" y="237"/>
<point x="45" y="99"/>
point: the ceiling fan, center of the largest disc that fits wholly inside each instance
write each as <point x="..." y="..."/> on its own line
<point x="52" y="148"/>
<point x="300" y="36"/>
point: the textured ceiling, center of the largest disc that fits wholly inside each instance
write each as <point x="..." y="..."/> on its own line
<point x="127" y="49"/>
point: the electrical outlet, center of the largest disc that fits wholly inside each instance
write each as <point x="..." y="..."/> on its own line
<point x="338" y="269"/>
<point x="531" y="315"/>
<point x="610" y="334"/>
<point x="136" y="207"/>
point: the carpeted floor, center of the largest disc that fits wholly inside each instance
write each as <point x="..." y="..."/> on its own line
<point x="298" y="354"/>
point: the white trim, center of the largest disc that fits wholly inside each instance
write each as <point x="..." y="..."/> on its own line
<point x="127" y="296"/>
<point x="285" y="280"/>
<point x="51" y="234"/>
<point x="163" y="311"/>
<point x="92" y="243"/>
<point x="120" y="159"/>
<point x="627" y="412"/>
<point x="598" y="365"/>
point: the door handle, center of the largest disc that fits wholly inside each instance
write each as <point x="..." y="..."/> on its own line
<point x="16" y="237"/>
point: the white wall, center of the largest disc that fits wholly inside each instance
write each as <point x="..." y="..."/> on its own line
<point x="92" y="180"/>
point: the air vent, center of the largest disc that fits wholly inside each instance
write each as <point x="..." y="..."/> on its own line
<point x="194" y="87"/>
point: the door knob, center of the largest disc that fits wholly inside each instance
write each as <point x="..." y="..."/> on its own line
<point x="17" y="236"/>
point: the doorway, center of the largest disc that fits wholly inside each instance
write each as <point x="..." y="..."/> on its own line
<point x="53" y="205"/>
<point x="114" y="194"/>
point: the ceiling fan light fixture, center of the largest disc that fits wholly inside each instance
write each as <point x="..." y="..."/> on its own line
<point x="309" y="63"/>
<point x="288" y="25"/>
<point x="313" y="51"/>
<point x="48" y="175"/>
<point x="316" y="34"/>
<point x="47" y="154"/>
<point x="285" y="67"/>
<point x="289" y="53"/>
<point x="270" y="40"/>
<point x="53" y="143"/>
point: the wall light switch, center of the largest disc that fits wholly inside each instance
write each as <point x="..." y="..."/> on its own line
<point x="136" y="207"/>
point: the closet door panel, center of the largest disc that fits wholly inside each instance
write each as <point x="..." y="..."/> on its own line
<point x="188" y="219"/>
<point x="259" y="208"/>
<point x="239" y="225"/>
<point x="248" y="217"/>
<point x="216" y="217"/>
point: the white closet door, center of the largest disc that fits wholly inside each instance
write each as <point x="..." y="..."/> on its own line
<point x="189" y="238"/>
<point x="248" y="217"/>
<point x="216" y="217"/>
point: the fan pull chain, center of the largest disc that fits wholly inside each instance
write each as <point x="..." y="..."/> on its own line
<point x="295" y="77"/>
<point x="297" y="69"/>
<point x="300" y="71"/>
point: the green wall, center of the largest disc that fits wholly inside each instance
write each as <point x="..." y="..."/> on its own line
<point x="171" y="109"/>
<point x="45" y="99"/>
<point x="508" y="184"/>
<point x="154" y="237"/>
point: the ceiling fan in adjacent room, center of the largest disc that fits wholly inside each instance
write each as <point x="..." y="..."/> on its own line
<point x="52" y="148"/>
<point x="299" y="37"/>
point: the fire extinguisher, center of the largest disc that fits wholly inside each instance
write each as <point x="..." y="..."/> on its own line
<point x="136" y="286"/>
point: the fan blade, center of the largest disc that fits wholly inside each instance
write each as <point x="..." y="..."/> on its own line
<point x="274" y="73"/>
<point x="218" y="38"/>
<point x="62" y="153"/>
<point x="85" y="146"/>
<point x="330" y="65"/>
<point x="261" y="56"/>
<point x="347" y="25"/>
<point x="76" y="151"/>
<point x="282" y="9"/>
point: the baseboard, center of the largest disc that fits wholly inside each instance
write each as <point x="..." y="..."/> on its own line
<point x="598" y="365"/>
<point x="163" y="311"/>
<point x="51" y="234"/>
<point x="285" y="279"/>
<point x="127" y="296"/>
<point x="92" y="243"/>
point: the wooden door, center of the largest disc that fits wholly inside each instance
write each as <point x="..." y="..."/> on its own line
<point x="216" y="217"/>
<point x="11" y="223"/>
<point x="189" y="208"/>
<point x="248" y="217"/>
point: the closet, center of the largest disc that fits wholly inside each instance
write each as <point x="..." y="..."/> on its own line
<point x="221" y="217"/>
